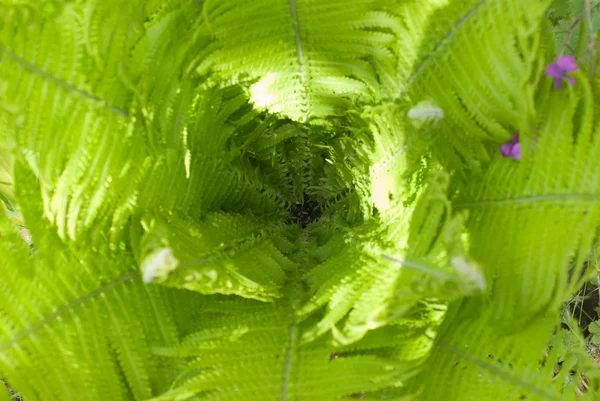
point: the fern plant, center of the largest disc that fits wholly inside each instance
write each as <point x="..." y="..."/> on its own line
<point x="295" y="200"/>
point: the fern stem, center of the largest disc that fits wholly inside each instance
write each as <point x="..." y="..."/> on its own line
<point x="55" y="315"/>
<point x="499" y="373"/>
<point x="441" y="43"/>
<point x="300" y="53"/>
<point x="68" y="87"/>
<point x="530" y="199"/>
<point x="287" y="367"/>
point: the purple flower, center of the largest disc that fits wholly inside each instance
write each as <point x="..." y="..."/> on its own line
<point x="512" y="148"/>
<point x="558" y="69"/>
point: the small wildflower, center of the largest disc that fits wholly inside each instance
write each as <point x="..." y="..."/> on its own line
<point x="512" y="148"/>
<point x="558" y="69"/>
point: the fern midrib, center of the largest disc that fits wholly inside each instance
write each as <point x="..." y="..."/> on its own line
<point x="300" y="55"/>
<point x="60" y="83"/>
<point x="126" y="353"/>
<point x="498" y="372"/>
<point x="433" y="54"/>
<point x="227" y="251"/>
<point x="73" y="304"/>
<point x="293" y="327"/>
<point x="389" y="160"/>
<point x="530" y="199"/>
<point x="287" y="367"/>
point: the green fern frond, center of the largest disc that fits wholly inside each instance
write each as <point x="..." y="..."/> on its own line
<point x="522" y="195"/>
<point x="85" y="123"/>
<point x="93" y="153"/>
<point x="297" y="62"/>
<point x="252" y="351"/>
<point x="226" y="254"/>
<point x="48" y="320"/>
<point x="533" y="263"/>
<point x="202" y="171"/>
<point x="318" y="183"/>
<point x="368" y="279"/>
<point x="483" y="98"/>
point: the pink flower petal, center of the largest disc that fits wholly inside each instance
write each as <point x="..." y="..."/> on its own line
<point x="567" y="63"/>
<point x="506" y="149"/>
<point x="571" y="80"/>
<point x="554" y="71"/>
<point x="558" y="83"/>
<point x="515" y="152"/>
<point x="515" y="138"/>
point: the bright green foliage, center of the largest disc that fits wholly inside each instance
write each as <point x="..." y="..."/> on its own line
<point x="371" y="277"/>
<point x="254" y="350"/>
<point x="465" y="83"/>
<point x="71" y="301"/>
<point x="225" y="253"/>
<point x="300" y="64"/>
<point x="295" y="200"/>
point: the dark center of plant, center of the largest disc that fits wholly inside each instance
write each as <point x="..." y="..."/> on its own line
<point x="306" y="212"/>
